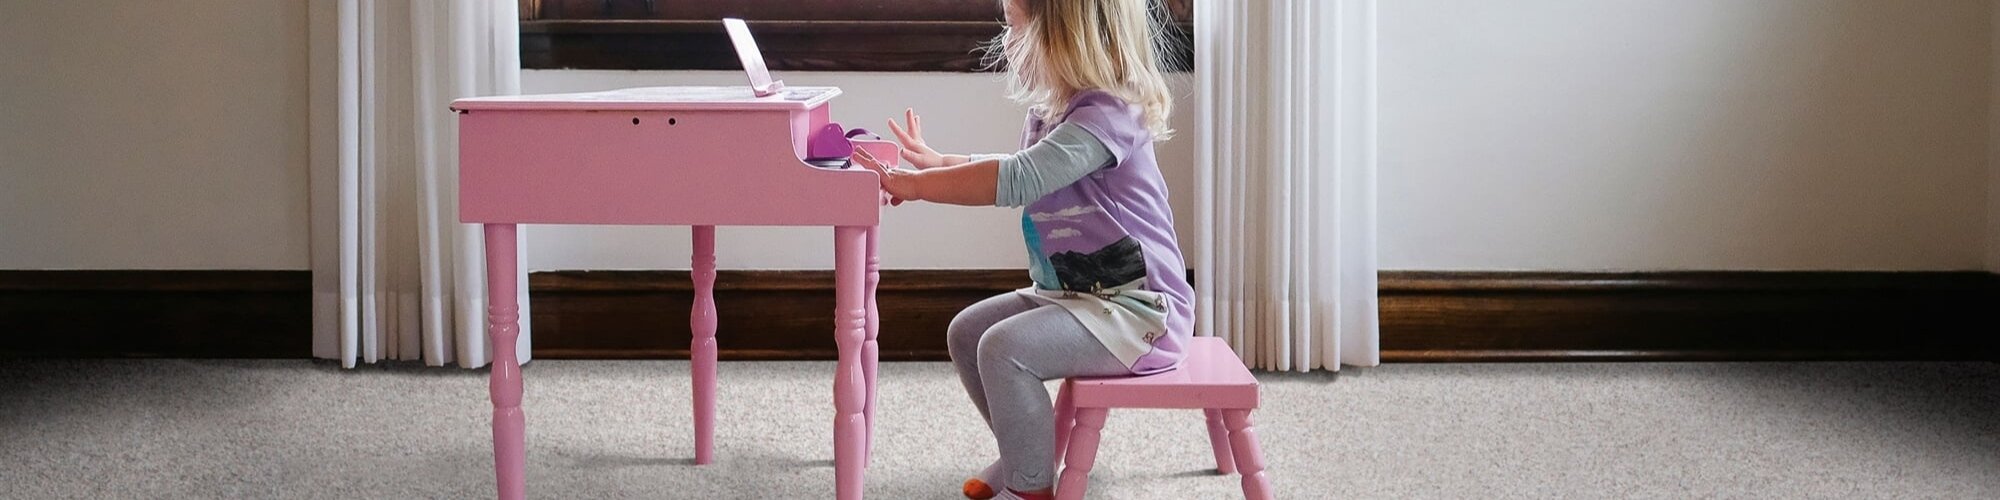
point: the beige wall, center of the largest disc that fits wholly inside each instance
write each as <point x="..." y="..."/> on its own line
<point x="1684" y="134"/>
<point x="153" y="135"/>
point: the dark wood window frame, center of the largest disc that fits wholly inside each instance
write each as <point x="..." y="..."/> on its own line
<point x="795" y="35"/>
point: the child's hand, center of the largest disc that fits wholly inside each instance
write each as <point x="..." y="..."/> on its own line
<point x="901" y="184"/>
<point x="919" y="154"/>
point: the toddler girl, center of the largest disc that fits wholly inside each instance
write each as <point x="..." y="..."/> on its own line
<point x="1110" y="294"/>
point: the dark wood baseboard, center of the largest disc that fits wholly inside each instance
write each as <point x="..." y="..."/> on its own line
<point x="784" y="315"/>
<point x="1688" y="316"/>
<point x="763" y="314"/>
<point x="1426" y="316"/>
<point x="145" y="314"/>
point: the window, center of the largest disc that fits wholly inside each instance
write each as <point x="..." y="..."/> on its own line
<point x="795" y="35"/>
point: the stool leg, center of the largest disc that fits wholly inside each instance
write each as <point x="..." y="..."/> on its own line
<point x="1249" y="459"/>
<point x="701" y="351"/>
<point x="1065" y="419"/>
<point x="1075" y="479"/>
<point x="1218" y="438"/>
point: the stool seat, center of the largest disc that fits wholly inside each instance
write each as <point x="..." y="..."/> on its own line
<point x="1210" y="377"/>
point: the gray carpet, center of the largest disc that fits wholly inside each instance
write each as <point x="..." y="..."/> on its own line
<point x="603" y="429"/>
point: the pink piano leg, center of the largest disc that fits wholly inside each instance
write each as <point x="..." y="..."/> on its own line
<point x="850" y="325"/>
<point x="870" y="351"/>
<point x="702" y="348"/>
<point x="503" y="328"/>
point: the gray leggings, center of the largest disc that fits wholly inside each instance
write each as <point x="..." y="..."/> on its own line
<point x="1004" y="348"/>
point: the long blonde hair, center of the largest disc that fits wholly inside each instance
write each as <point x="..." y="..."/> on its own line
<point x="1070" y="46"/>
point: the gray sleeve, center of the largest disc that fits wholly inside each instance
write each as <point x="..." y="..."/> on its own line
<point x="1066" y="154"/>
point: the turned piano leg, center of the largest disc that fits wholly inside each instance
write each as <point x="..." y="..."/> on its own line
<point x="850" y="325"/>
<point x="701" y="320"/>
<point x="871" y="353"/>
<point x="504" y="387"/>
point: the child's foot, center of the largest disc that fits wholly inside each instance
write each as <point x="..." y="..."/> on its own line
<point x="980" y="487"/>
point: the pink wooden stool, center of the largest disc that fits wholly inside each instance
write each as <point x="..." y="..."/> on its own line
<point x="1211" y="378"/>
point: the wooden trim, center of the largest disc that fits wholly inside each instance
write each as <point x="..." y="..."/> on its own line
<point x="770" y="281"/>
<point x="863" y="35"/>
<point x="763" y="314"/>
<point x="143" y="314"/>
<point x="785" y="315"/>
<point x="1449" y="282"/>
<point x="155" y="281"/>
<point x="1426" y="316"/>
<point x="953" y="10"/>
<point x="1687" y="316"/>
<point x="876" y="46"/>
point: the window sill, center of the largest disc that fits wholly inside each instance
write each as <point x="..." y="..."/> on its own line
<point x="876" y="46"/>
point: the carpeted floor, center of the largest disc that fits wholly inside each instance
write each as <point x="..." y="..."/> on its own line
<point x="619" y="429"/>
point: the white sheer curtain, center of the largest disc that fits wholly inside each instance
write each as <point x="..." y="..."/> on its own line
<point x="395" y="276"/>
<point x="1285" y="180"/>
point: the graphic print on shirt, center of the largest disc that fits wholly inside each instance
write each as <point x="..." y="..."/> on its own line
<point x="1077" y="247"/>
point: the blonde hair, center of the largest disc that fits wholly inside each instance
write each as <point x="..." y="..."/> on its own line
<point x="1070" y="46"/>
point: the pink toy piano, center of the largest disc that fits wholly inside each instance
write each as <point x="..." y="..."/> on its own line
<point x="691" y="156"/>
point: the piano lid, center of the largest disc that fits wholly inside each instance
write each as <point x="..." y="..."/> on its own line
<point x="753" y="59"/>
<point x="657" y="98"/>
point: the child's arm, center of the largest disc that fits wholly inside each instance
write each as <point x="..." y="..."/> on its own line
<point x="1068" y="153"/>
<point x="971" y="184"/>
